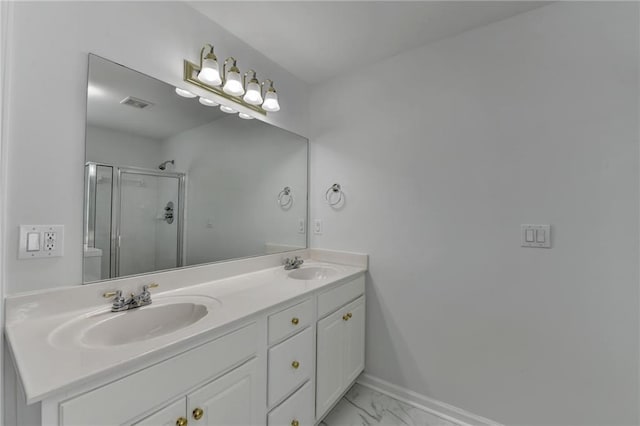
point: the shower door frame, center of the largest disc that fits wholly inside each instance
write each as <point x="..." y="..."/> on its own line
<point x="116" y="213"/>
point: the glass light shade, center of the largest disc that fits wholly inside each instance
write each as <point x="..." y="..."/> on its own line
<point x="185" y="93"/>
<point x="210" y="73"/>
<point x="245" y="116"/>
<point x="271" y="101"/>
<point x="207" y="102"/>
<point x="227" y="109"/>
<point x="233" y="85"/>
<point x="253" y="95"/>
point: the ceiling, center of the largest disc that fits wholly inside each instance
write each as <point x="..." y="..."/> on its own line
<point x="316" y="40"/>
<point x="170" y="114"/>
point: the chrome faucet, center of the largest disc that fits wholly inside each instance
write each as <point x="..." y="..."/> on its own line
<point x="292" y="263"/>
<point x="120" y="303"/>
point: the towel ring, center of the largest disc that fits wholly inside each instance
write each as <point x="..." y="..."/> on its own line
<point x="284" y="197"/>
<point x="330" y="194"/>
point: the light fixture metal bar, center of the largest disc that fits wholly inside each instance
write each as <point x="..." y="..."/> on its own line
<point x="191" y="71"/>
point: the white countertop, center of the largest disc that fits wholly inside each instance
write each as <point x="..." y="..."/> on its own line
<point x="48" y="365"/>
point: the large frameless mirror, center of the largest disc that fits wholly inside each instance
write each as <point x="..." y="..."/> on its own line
<point x="170" y="182"/>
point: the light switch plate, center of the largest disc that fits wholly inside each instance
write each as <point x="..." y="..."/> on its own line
<point x="317" y="227"/>
<point x="51" y="241"/>
<point x="538" y="236"/>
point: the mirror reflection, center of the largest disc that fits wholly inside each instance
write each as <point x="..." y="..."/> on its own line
<point x="170" y="182"/>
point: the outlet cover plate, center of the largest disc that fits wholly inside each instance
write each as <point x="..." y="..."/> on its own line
<point x="52" y="246"/>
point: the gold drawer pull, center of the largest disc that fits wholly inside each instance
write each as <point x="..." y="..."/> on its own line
<point x="349" y="314"/>
<point x="198" y="413"/>
<point x="182" y="422"/>
<point x="295" y="423"/>
<point x="295" y="364"/>
<point x="345" y="317"/>
<point x="295" y="321"/>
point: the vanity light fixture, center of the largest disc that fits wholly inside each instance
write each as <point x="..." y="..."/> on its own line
<point x="209" y="71"/>
<point x="207" y="101"/>
<point x="245" y="116"/>
<point x="270" y="103"/>
<point x="185" y="93"/>
<point x="231" y="84"/>
<point x="254" y="91"/>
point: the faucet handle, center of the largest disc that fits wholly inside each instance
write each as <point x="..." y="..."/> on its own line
<point x="117" y="294"/>
<point x="146" y="287"/>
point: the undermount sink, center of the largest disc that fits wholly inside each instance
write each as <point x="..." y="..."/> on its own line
<point x="312" y="273"/>
<point x="105" y="329"/>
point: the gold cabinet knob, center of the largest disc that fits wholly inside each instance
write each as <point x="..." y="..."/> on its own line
<point x="345" y="318"/>
<point x="198" y="413"/>
<point x="295" y="364"/>
<point x="349" y="314"/>
<point x="295" y="321"/>
<point x="182" y="422"/>
<point x="295" y="423"/>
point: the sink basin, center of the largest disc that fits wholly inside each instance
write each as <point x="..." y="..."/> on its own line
<point x="108" y="329"/>
<point x="143" y="324"/>
<point x="312" y="273"/>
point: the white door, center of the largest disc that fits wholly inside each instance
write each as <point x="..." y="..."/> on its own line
<point x="329" y="361"/>
<point x="354" y="341"/>
<point x="168" y="416"/>
<point x="228" y="400"/>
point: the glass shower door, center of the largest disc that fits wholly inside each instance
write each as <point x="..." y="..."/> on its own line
<point x="150" y="222"/>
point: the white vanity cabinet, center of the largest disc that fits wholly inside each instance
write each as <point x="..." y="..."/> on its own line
<point x="340" y="343"/>
<point x="227" y="400"/>
<point x="220" y="378"/>
<point x="291" y="365"/>
<point x="286" y="366"/>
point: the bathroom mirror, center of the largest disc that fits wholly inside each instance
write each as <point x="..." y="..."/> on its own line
<point x="170" y="182"/>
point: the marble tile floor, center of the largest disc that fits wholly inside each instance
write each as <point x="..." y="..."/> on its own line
<point x="362" y="406"/>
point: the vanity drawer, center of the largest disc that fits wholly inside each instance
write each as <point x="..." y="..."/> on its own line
<point x="289" y="321"/>
<point x="290" y="364"/>
<point x="298" y="407"/>
<point x="331" y="300"/>
<point x="121" y="400"/>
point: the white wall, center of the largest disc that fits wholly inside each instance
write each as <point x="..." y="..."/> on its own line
<point x="46" y="138"/>
<point x="4" y="20"/>
<point x="235" y="188"/>
<point x="533" y="119"/>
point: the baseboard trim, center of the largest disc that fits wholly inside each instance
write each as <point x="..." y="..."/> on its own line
<point x="435" y="407"/>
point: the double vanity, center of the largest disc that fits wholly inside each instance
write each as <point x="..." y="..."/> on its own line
<point x="255" y="344"/>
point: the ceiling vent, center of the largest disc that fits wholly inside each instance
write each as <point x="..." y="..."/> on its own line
<point x="136" y="102"/>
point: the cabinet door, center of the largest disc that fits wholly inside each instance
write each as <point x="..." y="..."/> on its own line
<point x="228" y="400"/>
<point x="168" y="416"/>
<point x="329" y="361"/>
<point x="354" y="341"/>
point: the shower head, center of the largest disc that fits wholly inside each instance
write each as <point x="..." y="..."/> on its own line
<point x="163" y="166"/>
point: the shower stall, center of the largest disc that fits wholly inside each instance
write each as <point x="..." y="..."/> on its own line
<point x="133" y="220"/>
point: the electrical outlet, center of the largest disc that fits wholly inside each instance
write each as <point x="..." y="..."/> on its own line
<point x="50" y="241"/>
<point x="317" y="227"/>
<point x="301" y="226"/>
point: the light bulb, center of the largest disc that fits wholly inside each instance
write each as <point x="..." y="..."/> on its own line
<point x="184" y="93"/>
<point x="207" y="102"/>
<point x="253" y="95"/>
<point x="271" y="101"/>
<point x="245" y="116"/>
<point x="227" y="109"/>
<point x="210" y="73"/>
<point x="233" y="85"/>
